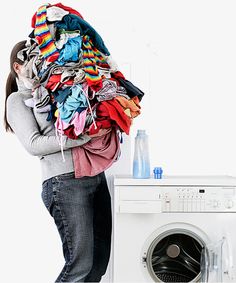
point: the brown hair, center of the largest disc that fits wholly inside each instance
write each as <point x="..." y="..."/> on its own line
<point x="11" y="85"/>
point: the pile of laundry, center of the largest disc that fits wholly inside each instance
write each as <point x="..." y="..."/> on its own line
<point x="74" y="78"/>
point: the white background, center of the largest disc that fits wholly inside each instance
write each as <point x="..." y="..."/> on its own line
<point x="182" y="54"/>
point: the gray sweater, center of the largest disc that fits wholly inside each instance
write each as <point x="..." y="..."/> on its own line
<point x="38" y="137"/>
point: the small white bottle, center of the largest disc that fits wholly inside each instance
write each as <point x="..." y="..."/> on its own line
<point x="141" y="161"/>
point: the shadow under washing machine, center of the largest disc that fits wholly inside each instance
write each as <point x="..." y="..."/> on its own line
<point x="175" y="229"/>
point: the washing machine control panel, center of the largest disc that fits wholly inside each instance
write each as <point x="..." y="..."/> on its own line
<point x="198" y="199"/>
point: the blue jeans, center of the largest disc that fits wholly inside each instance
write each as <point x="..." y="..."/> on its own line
<point x="81" y="209"/>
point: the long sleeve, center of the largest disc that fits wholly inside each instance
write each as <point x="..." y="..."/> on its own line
<point x="22" y="120"/>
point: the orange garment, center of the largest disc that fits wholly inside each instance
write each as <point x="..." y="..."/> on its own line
<point x="131" y="106"/>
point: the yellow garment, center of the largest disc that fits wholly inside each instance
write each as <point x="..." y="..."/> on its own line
<point x="56" y="113"/>
<point x="128" y="112"/>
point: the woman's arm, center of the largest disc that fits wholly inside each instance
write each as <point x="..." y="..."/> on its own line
<point x="22" y="120"/>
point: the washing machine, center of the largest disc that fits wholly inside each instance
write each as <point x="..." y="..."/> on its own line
<point x="174" y="229"/>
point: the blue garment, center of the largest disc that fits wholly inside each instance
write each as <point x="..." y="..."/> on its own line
<point x="51" y="112"/>
<point x="70" y="51"/>
<point x="73" y="22"/>
<point x="61" y="95"/>
<point x="74" y="103"/>
<point x="81" y="209"/>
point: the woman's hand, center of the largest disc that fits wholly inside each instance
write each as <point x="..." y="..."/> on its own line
<point x="100" y="133"/>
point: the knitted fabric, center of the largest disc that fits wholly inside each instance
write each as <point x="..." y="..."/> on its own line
<point x="60" y="5"/>
<point x="43" y="36"/>
<point x="92" y="57"/>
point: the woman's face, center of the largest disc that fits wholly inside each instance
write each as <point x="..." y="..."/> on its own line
<point x="22" y="73"/>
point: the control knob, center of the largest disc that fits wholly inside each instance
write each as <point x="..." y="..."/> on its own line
<point x="229" y="203"/>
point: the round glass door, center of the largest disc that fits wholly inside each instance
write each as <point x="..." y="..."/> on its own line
<point x="175" y="257"/>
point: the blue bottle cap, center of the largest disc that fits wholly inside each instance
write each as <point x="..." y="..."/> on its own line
<point x="157" y="172"/>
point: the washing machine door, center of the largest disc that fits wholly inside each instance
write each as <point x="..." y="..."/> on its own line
<point x="186" y="254"/>
<point x="216" y="263"/>
<point x="175" y="257"/>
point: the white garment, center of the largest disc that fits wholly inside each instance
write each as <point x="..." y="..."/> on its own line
<point x="55" y="13"/>
<point x="80" y="76"/>
<point x="104" y="72"/>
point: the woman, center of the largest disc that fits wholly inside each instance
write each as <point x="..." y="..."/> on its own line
<point x="80" y="207"/>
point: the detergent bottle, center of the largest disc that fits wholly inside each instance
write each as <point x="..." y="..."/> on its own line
<point x="141" y="161"/>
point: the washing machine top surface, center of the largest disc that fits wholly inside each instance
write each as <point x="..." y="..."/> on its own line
<point x="173" y="180"/>
<point x="176" y="194"/>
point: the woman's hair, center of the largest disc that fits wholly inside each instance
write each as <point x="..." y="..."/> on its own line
<point x="11" y="85"/>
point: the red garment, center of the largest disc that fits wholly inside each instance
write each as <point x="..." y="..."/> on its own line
<point x="117" y="75"/>
<point x="54" y="82"/>
<point x="69" y="132"/>
<point x="60" y="5"/>
<point x="109" y="113"/>
<point x="114" y="110"/>
<point x="104" y="123"/>
<point x="97" y="155"/>
<point x="115" y="80"/>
